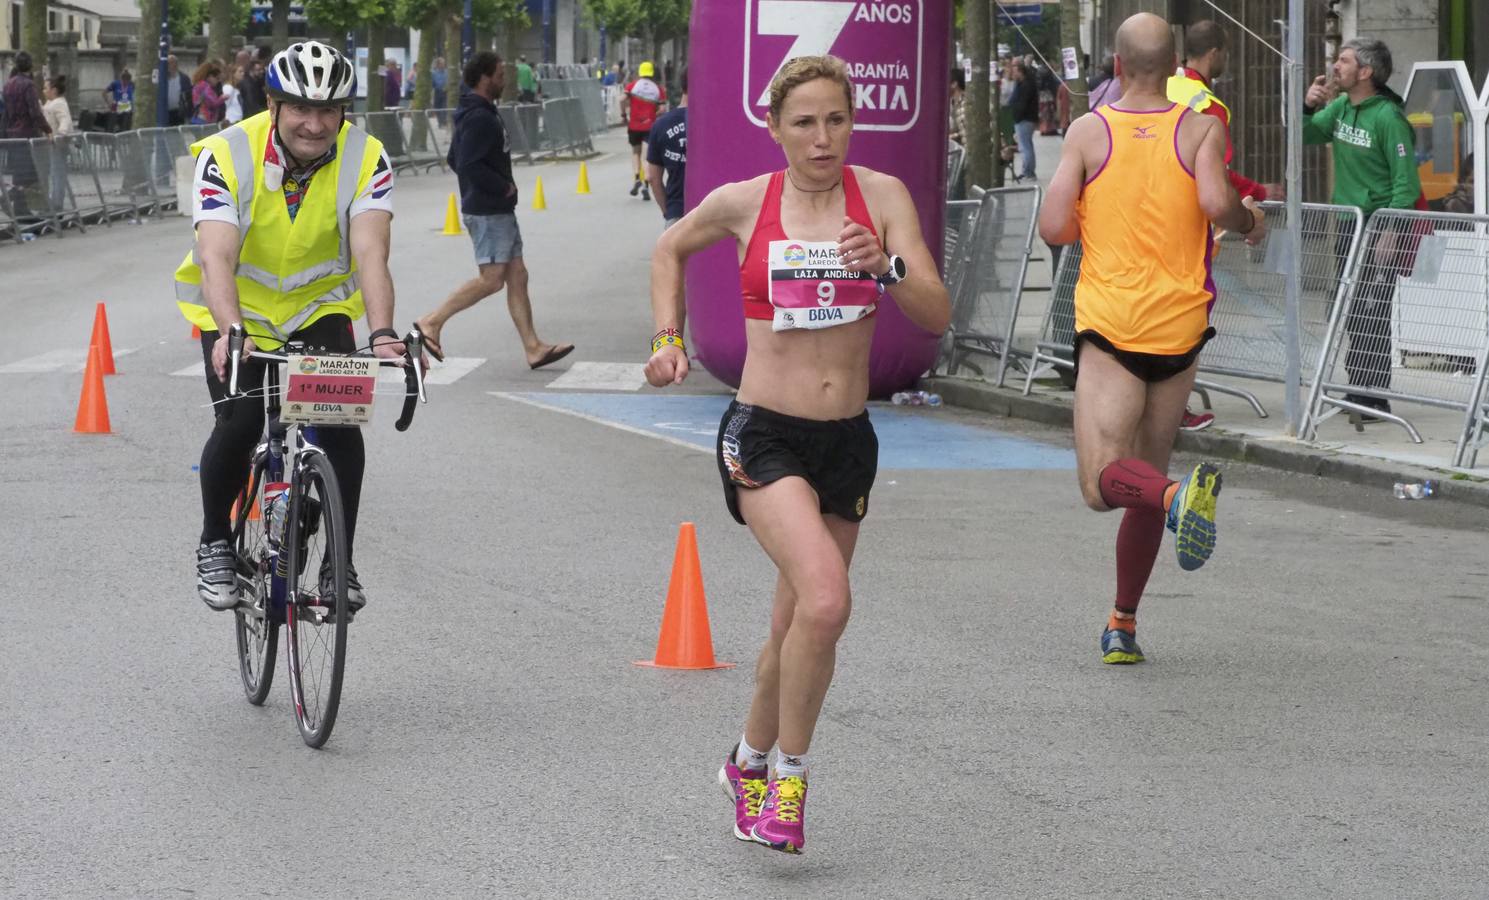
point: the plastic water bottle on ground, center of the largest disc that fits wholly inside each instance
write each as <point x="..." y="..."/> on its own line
<point x="915" y="398"/>
<point x="1415" y="491"/>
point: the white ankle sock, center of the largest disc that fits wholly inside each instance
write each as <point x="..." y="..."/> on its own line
<point x="747" y="757"/>
<point x="787" y="766"/>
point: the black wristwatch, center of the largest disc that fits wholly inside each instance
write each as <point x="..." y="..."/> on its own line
<point x="896" y="272"/>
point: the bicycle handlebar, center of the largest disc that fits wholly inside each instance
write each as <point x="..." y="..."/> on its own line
<point x="413" y="371"/>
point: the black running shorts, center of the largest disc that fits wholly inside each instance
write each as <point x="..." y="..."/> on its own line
<point x="1149" y="367"/>
<point x="838" y="457"/>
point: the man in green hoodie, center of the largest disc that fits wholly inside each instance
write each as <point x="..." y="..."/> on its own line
<point x="1374" y="168"/>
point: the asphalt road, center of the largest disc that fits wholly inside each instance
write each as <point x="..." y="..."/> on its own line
<point x="1310" y="723"/>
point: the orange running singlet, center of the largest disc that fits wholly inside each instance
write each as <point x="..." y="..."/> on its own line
<point x="1145" y="280"/>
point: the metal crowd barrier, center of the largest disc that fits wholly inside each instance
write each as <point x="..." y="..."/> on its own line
<point x="986" y="273"/>
<point x="1251" y="295"/>
<point x="1414" y="328"/>
<point x="521" y="121"/>
<point x="587" y="91"/>
<point x="956" y="157"/>
<point x="1054" y="348"/>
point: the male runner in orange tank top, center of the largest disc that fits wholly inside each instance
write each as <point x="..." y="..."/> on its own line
<point x="1139" y="183"/>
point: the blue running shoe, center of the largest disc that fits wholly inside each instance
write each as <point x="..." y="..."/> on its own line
<point x="1120" y="648"/>
<point x="1191" y="516"/>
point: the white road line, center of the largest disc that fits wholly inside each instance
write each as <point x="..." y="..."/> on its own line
<point x="56" y="361"/>
<point x="599" y="421"/>
<point x="450" y="371"/>
<point x="601" y="376"/>
<point x="195" y="368"/>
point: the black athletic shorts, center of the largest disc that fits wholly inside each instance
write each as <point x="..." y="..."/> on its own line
<point x="1150" y="367"/>
<point x="838" y="457"/>
<point x="637" y="138"/>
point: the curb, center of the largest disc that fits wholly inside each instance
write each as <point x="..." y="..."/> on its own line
<point x="1279" y="453"/>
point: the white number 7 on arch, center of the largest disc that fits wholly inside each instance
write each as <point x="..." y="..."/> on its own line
<point x="815" y="23"/>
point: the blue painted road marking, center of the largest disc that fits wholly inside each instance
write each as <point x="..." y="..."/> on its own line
<point x="909" y="438"/>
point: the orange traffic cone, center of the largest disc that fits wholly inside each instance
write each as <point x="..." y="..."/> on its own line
<point x="253" y="510"/>
<point x="100" y="339"/>
<point x="196" y="333"/>
<point x="685" y="641"/>
<point x="93" y="406"/>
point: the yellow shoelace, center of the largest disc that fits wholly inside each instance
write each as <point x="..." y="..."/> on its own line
<point x="789" y="793"/>
<point x="753" y="790"/>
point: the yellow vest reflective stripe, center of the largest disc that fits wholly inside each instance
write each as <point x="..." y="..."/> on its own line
<point x="289" y="274"/>
<point x="1193" y="93"/>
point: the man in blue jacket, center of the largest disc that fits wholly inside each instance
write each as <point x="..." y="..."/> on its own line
<point x="481" y="156"/>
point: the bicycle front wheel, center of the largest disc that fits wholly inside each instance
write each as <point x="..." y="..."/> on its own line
<point x="316" y="609"/>
<point x="254" y="622"/>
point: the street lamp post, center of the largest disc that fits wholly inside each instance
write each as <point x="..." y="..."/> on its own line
<point x="162" y="73"/>
<point x="467" y="34"/>
<point x="1294" y="234"/>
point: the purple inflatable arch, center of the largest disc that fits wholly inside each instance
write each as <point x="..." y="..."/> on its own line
<point x="898" y="56"/>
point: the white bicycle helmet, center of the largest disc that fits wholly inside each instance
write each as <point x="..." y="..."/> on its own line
<point x="311" y="73"/>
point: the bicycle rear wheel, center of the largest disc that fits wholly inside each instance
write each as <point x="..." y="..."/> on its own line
<point x="254" y="622"/>
<point x="316" y="610"/>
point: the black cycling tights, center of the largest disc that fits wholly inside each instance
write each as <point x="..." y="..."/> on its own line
<point x="240" y="424"/>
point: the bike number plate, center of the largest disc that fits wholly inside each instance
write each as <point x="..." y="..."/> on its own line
<point x="329" y="390"/>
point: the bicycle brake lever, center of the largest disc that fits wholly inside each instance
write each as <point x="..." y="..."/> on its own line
<point x="234" y="353"/>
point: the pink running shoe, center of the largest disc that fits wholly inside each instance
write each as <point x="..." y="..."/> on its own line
<point x="782" y="823"/>
<point x="746" y="788"/>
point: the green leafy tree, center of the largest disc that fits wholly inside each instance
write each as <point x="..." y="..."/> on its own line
<point x="186" y="20"/>
<point x="346" y="15"/>
<point x="34" y="32"/>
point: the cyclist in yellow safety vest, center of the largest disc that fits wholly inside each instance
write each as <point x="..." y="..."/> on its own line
<point x="293" y="209"/>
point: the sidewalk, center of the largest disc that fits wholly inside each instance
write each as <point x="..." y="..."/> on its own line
<point x="1377" y="455"/>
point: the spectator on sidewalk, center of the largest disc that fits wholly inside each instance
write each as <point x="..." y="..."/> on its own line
<point x="1023" y="105"/>
<point x="527" y="82"/>
<point x="667" y="153"/>
<point x="1461" y="198"/>
<point x="1106" y="88"/>
<point x="439" y="80"/>
<point x="1375" y="168"/>
<point x="232" y="110"/>
<point x="119" y="96"/>
<point x="411" y="83"/>
<point x="207" y="102"/>
<point x="250" y="86"/>
<point x="392" y="84"/>
<point x="23" y="118"/>
<point x="956" y="106"/>
<point x="1206" y="56"/>
<point x="481" y="156"/>
<point x="177" y="93"/>
<point x="59" y="120"/>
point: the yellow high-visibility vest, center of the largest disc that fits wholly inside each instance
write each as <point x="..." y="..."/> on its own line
<point x="1193" y="93"/>
<point x="290" y="273"/>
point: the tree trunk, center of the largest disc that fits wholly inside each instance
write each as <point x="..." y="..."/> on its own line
<point x="220" y="35"/>
<point x="424" y="87"/>
<point x="376" y="45"/>
<point x="979" y="142"/>
<point x="34" y="34"/>
<point x="280" y="13"/>
<point x="146" y="63"/>
<point x="454" y="40"/>
<point x="1070" y="36"/>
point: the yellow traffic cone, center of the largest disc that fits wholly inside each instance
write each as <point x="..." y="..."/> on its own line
<point x="452" y="218"/>
<point x="583" y="180"/>
<point x="538" y="202"/>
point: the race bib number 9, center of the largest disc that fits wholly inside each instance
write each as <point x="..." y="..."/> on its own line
<point x="809" y="287"/>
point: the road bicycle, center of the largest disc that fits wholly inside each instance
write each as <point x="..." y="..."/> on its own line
<point x="289" y="533"/>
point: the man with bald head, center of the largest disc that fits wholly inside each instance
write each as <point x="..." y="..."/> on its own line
<point x="1139" y="183"/>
